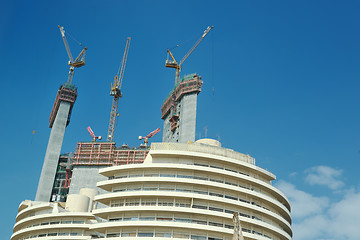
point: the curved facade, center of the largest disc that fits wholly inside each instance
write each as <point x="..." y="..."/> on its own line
<point x="190" y="191"/>
<point x="45" y="220"/>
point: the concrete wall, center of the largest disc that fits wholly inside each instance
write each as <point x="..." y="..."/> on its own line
<point x="186" y="109"/>
<point x="86" y="177"/>
<point x="52" y="153"/>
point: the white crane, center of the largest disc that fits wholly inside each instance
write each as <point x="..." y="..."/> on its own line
<point x="78" y="62"/>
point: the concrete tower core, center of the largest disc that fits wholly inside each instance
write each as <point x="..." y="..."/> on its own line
<point x="59" y="119"/>
<point x="179" y="110"/>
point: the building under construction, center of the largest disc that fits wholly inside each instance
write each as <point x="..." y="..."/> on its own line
<point x="181" y="188"/>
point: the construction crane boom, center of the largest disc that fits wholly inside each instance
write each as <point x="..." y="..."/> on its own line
<point x="146" y="139"/>
<point x="92" y="134"/>
<point x="79" y="61"/>
<point x="116" y="92"/>
<point x="174" y="64"/>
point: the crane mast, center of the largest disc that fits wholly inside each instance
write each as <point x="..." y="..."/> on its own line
<point x="173" y="63"/>
<point x="78" y="62"/>
<point x="116" y="92"/>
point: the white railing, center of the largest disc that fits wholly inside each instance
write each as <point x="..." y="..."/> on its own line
<point x="202" y="148"/>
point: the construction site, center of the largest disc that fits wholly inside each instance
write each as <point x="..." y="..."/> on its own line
<point x="180" y="188"/>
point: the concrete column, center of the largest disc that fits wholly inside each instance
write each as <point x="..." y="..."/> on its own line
<point x="52" y="153"/>
<point x="186" y="109"/>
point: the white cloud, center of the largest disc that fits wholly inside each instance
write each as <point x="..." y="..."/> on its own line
<point x="313" y="227"/>
<point x="325" y="176"/>
<point x="322" y="218"/>
<point x="302" y="204"/>
<point x="345" y="216"/>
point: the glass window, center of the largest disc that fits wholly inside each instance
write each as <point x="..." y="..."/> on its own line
<point x="128" y="234"/>
<point x="163" y="234"/>
<point x="78" y="222"/>
<point x="148" y="202"/>
<point x="110" y="235"/>
<point x="145" y="234"/>
<point x="198" y="237"/>
<point x="215" y="224"/>
<point x="180" y="235"/>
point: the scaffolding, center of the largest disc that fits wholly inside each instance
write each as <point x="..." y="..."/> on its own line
<point x="62" y="180"/>
<point x="107" y="154"/>
<point x="68" y="93"/>
<point x="189" y="84"/>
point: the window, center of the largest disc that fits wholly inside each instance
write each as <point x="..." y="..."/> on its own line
<point x="231" y="197"/>
<point x="199" y="206"/>
<point x="167" y="175"/>
<point x="214" y="238"/>
<point x="145" y="234"/>
<point x="163" y="234"/>
<point x="216" y="180"/>
<point x="229" y="226"/>
<point x="147" y="218"/>
<point x="180" y="235"/>
<point x="215" y="224"/>
<point x="148" y="202"/>
<point x="229" y="211"/>
<point x="198" y="221"/>
<point x="110" y="235"/>
<point x="198" y="237"/>
<point x="78" y="222"/>
<point x="216" y="209"/>
<point x="216" y="194"/>
<point x="150" y="188"/>
<point x="132" y="202"/>
<point x="164" y="218"/>
<point x="128" y="234"/>
<point x="165" y="202"/>
<point x="64" y="234"/>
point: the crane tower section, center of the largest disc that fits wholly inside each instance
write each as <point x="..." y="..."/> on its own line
<point x="58" y="121"/>
<point x="116" y="92"/>
<point x="179" y="108"/>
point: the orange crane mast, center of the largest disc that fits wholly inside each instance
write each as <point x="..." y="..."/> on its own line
<point x="116" y="92"/>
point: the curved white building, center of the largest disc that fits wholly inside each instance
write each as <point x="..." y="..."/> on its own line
<point x="48" y="220"/>
<point x="190" y="191"/>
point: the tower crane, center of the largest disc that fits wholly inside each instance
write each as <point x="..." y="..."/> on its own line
<point x="78" y="62"/>
<point x="116" y="92"/>
<point x="174" y="64"/>
<point x="146" y="139"/>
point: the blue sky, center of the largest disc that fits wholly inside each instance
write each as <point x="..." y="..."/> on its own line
<point x="281" y="83"/>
